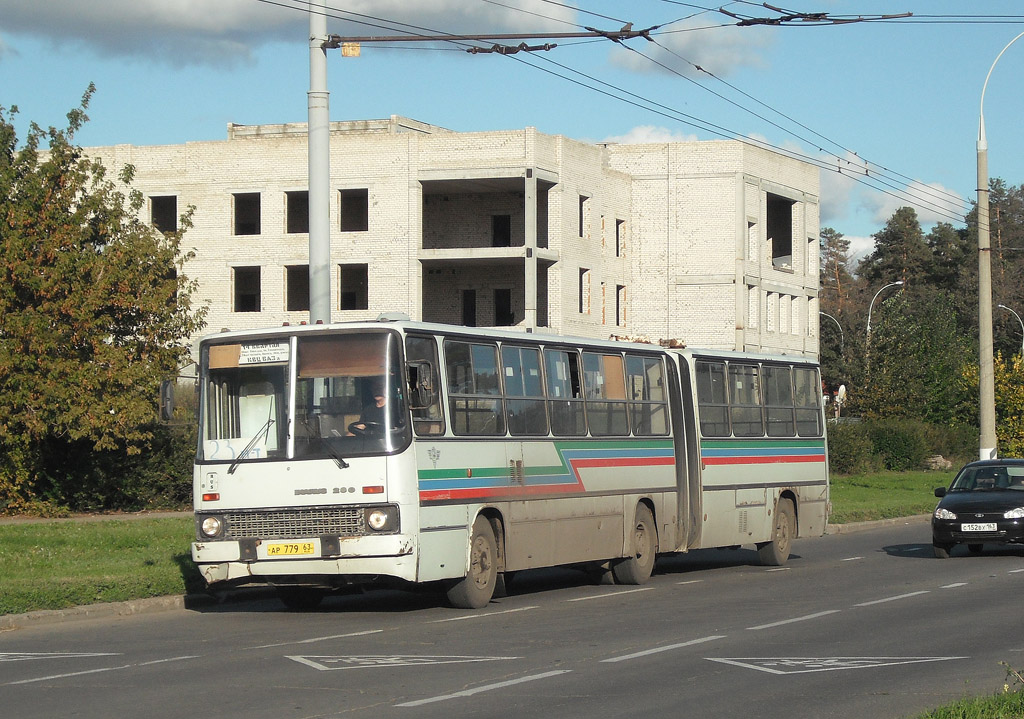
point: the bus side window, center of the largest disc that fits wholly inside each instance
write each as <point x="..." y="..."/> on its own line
<point x="524" y="391"/>
<point x="565" y="393"/>
<point x="745" y="400"/>
<point x="474" y="388"/>
<point x="778" y="401"/>
<point x="422" y="368"/>
<point x="712" y="400"/>
<point x="808" y="407"/>
<point x="646" y="388"/>
<point x="606" y="394"/>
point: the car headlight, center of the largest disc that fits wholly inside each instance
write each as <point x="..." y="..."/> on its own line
<point x="943" y="513"/>
<point x="211" y="526"/>
<point x="1017" y="513"/>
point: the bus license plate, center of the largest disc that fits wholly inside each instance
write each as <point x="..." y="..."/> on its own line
<point x="290" y="549"/>
<point x="988" y="527"/>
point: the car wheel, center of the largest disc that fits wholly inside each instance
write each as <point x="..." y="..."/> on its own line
<point x="975" y="548"/>
<point x="942" y="550"/>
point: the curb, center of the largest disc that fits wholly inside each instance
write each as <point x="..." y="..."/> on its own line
<point x="854" y="527"/>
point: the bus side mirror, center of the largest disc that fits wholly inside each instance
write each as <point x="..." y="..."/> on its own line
<point x="167" y="400"/>
<point x="421" y="384"/>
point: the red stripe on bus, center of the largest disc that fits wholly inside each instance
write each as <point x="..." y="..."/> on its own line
<point x="782" y="459"/>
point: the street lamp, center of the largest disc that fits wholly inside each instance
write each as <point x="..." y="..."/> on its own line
<point x="1004" y="307"/>
<point x="842" y="339"/>
<point x="986" y="370"/>
<point x="867" y="347"/>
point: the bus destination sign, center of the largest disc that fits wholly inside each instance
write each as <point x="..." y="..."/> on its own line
<point x="263" y="352"/>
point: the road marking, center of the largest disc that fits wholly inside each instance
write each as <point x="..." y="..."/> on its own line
<point x="610" y="594"/>
<point x="806" y="665"/>
<point x="778" y="569"/>
<point x="954" y="585"/>
<point x="691" y="581"/>
<point x="481" y="616"/>
<point x="891" y="599"/>
<point x="851" y="559"/>
<point x="1015" y="571"/>
<point x="369" y="661"/>
<point x="485" y="688"/>
<point x="793" y="620"/>
<point x="98" y="671"/>
<point x="658" y="650"/>
<point x="25" y="656"/>
<point x="318" y="639"/>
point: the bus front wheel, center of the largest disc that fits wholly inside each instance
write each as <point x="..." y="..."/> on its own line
<point x="476" y="589"/>
<point x="637" y="568"/>
<point x="776" y="552"/>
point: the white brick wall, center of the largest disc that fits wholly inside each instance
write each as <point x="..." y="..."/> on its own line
<point x="695" y="262"/>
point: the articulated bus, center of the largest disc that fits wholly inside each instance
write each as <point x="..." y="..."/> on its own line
<point x="367" y="452"/>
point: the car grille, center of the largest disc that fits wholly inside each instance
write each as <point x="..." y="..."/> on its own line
<point x="294" y="523"/>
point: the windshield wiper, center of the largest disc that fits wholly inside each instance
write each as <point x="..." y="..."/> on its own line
<point x="324" y="444"/>
<point x="263" y="432"/>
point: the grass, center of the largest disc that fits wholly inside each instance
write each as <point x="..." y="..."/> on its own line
<point x="885" y="495"/>
<point x="55" y="565"/>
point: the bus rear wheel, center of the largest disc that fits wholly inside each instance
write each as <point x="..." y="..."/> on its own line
<point x="476" y="589"/>
<point x="637" y="568"/>
<point x="776" y="552"/>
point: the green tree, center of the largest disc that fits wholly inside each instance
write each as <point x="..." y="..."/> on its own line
<point x="94" y="308"/>
<point x="900" y="252"/>
<point x="1009" y="386"/>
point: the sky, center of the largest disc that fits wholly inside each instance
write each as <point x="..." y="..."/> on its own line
<point x="887" y="107"/>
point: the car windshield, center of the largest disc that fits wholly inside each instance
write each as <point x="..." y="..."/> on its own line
<point x="988" y="478"/>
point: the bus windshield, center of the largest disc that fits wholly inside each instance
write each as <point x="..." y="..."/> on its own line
<point x="316" y="396"/>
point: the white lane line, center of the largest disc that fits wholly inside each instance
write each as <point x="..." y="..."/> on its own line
<point x="481" y="616"/>
<point x="99" y="671"/>
<point x="954" y="585"/>
<point x="851" y="559"/>
<point x="658" y="650"/>
<point x="318" y="639"/>
<point x="485" y="688"/>
<point x="891" y="599"/>
<point x="691" y="581"/>
<point x="610" y="594"/>
<point x="779" y="569"/>
<point x="1015" y="571"/>
<point x="794" y="619"/>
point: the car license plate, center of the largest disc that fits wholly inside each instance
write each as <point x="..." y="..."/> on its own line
<point x="290" y="549"/>
<point x="986" y="527"/>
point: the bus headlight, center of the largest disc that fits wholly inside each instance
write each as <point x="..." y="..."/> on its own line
<point x="382" y="519"/>
<point x="211" y="526"/>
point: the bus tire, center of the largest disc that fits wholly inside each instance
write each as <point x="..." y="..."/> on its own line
<point x="775" y="552"/>
<point x="637" y="568"/>
<point x="476" y="589"/>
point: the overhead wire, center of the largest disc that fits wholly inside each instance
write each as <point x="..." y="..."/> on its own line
<point x="859" y="173"/>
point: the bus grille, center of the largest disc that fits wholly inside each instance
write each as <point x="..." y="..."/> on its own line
<point x="294" y="523"/>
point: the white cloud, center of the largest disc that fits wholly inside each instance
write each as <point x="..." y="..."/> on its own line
<point x="226" y="31"/>
<point x="650" y="133"/>
<point x="719" y="51"/>
<point x="932" y="202"/>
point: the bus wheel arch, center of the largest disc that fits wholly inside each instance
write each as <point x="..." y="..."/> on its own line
<point x="636" y="568"/>
<point x="775" y="552"/>
<point x="476" y="589"/>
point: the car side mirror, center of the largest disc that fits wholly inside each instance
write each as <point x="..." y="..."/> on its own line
<point x="940" y="492"/>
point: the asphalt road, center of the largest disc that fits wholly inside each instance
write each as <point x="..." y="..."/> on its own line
<point x="865" y="624"/>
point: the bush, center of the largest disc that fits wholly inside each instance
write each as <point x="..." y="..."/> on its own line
<point x="900" y="443"/>
<point x="850" y="450"/>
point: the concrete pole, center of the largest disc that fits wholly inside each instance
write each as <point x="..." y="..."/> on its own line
<point x="319" y="143"/>
<point x="986" y="370"/>
<point x="530" y="240"/>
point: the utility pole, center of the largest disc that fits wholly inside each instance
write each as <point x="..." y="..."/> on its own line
<point x="319" y="148"/>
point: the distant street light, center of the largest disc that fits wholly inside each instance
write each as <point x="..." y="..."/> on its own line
<point x="867" y="348"/>
<point x="1004" y="307"/>
<point x="842" y="338"/>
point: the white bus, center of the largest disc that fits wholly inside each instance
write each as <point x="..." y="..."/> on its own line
<point x="334" y="455"/>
